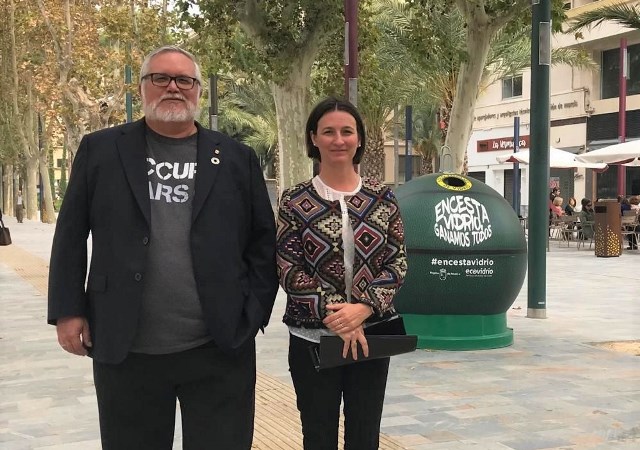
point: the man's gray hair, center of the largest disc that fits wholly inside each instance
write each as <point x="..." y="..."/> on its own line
<point x="170" y="49"/>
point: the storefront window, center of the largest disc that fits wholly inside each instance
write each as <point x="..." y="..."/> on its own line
<point x="608" y="182"/>
<point x="633" y="180"/>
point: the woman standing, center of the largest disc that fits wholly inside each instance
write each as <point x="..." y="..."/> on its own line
<point x="341" y="259"/>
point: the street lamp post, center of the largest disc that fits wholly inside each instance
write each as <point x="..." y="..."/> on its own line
<point x="351" y="50"/>
<point x="128" y="101"/>
<point x="213" y="102"/>
<point x="622" y="111"/>
<point x="408" y="143"/>
<point x="516" y="165"/>
<point x="539" y="159"/>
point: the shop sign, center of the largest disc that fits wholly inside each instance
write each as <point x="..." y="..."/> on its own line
<point x="505" y="143"/>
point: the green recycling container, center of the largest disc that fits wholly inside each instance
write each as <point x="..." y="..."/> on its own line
<point x="467" y="257"/>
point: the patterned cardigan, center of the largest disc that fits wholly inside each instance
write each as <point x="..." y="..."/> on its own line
<point x="310" y="251"/>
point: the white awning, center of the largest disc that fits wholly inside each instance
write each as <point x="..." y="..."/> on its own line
<point x="557" y="159"/>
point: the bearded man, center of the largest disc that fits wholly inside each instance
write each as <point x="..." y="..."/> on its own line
<point x="182" y="272"/>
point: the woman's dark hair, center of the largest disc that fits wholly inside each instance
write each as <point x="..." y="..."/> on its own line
<point x="328" y="105"/>
<point x="584" y="202"/>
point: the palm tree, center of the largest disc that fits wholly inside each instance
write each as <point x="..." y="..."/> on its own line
<point x="509" y="55"/>
<point x="427" y="138"/>
<point x="626" y="15"/>
<point x="403" y="72"/>
<point x="390" y="77"/>
<point x="247" y="113"/>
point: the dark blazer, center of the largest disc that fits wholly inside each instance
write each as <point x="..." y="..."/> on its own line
<point x="232" y="240"/>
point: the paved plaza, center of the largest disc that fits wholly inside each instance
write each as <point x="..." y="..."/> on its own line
<point x="554" y="388"/>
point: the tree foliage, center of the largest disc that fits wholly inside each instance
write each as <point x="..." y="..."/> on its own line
<point x="284" y="39"/>
<point x="70" y="58"/>
<point x="274" y="58"/>
<point x="623" y="14"/>
<point x="275" y="32"/>
<point x="486" y="45"/>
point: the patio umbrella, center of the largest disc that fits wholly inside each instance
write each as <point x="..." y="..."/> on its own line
<point x="623" y="153"/>
<point x="557" y="158"/>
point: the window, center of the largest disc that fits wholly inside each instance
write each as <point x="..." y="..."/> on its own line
<point x="607" y="182"/>
<point x="611" y="71"/>
<point x="512" y="87"/>
<point x="59" y="162"/>
<point x="480" y="176"/>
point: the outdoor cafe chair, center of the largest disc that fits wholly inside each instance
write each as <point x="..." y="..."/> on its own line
<point x="630" y="229"/>
<point x="581" y="240"/>
<point x="555" y="226"/>
<point x="567" y="227"/>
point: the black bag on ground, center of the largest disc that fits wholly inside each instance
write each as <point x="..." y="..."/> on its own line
<point x="5" y="235"/>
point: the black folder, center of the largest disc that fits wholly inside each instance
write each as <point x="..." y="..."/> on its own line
<point x="329" y="352"/>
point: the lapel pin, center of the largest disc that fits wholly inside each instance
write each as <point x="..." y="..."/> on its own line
<point x="216" y="151"/>
<point x="215" y="160"/>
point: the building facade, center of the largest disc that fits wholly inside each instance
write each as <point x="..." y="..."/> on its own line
<point x="584" y="114"/>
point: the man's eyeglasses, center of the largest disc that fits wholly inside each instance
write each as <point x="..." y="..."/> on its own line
<point x="163" y="80"/>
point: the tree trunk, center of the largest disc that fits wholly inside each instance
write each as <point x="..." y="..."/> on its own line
<point x="468" y="87"/>
<point x="426" y="165"/>
<point x="72" y="137"/>
<point x="27" y="131"/>
<point x="62" y="187"/>
<point x="16" y="185"/>
<point x="276" y="171"/>
<point x="291" y="90"/>
<point x="7" y="190"/>
<point x="82" y="112"/>
<point x="48" y="214"/>
<point x="30" y="189"/>
<point x="292" y="105"/>
<point x="372" y="164"/>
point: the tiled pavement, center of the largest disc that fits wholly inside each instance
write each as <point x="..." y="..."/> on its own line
<point x="552" y="389"/>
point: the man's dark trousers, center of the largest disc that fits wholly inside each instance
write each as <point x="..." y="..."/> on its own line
<point x="137" y="399"/>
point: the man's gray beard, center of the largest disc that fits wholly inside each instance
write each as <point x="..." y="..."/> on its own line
<point x="154" y="112"/>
